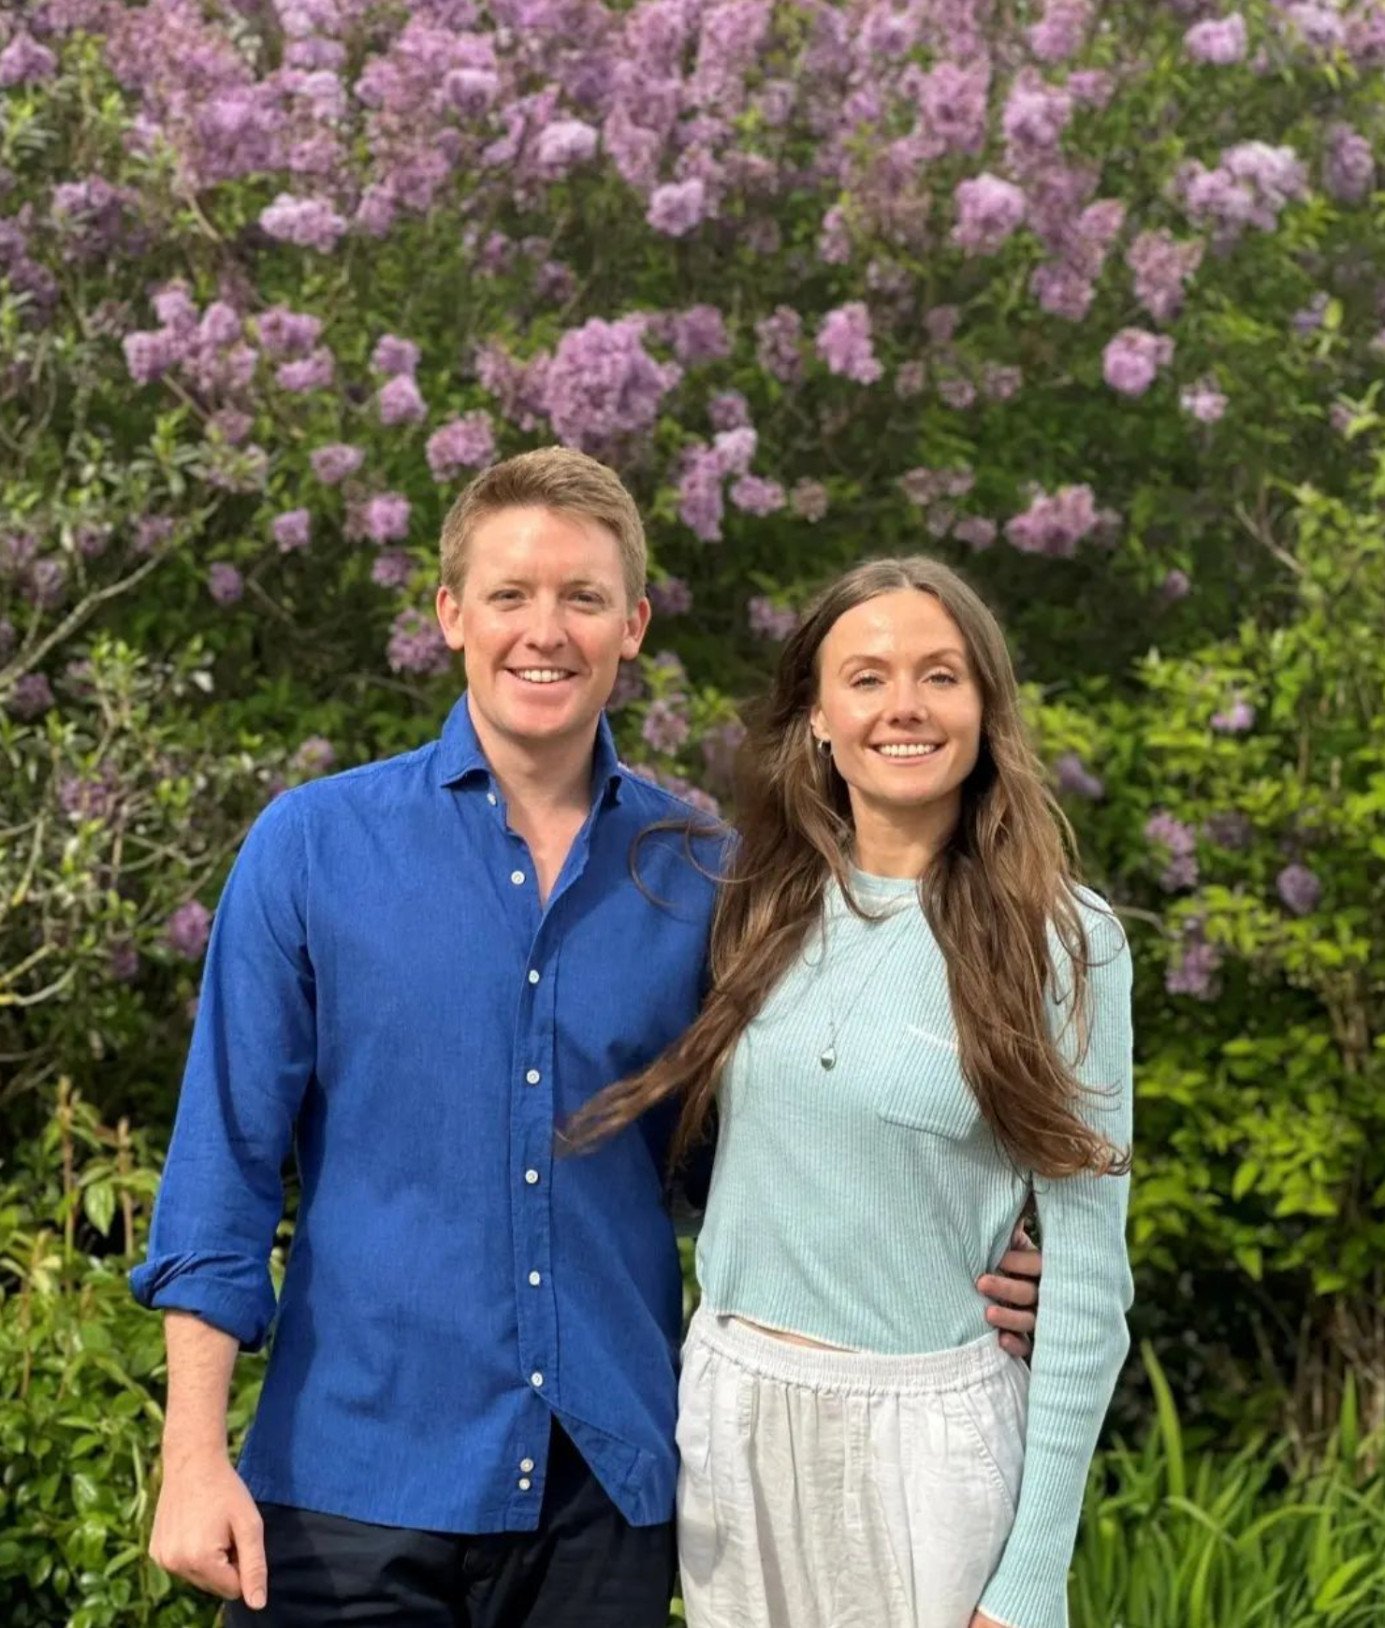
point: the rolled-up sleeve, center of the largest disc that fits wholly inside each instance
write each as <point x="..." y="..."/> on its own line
<point x="252" y="1056"/>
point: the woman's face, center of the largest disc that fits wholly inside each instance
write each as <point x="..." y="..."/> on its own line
<point x="901" y="705"/>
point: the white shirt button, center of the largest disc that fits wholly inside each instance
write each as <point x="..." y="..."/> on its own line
<point x="517" y="877"/>
<point x="490" y="798"/>
<point x="524" y="1483"/>
<point x="526" y="1464"/>
<point x="535" y="1278"/>
<point x="531" y="1176"/>
<point x="533" y="1077"/>
<point x="536" y="1379"/>
<point x="533" y="975"/>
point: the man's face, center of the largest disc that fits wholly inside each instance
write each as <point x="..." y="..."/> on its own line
<point x="542" y="623"/>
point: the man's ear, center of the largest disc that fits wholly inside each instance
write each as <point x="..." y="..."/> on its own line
<point x="636" y="624"/>
<point x="449" y="609"/>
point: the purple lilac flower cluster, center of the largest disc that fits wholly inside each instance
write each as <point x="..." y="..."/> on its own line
<point x="1194" y="969"/>
<point x="416" y="645"/>
<point x="1235" y="718"/>
<point x="292" y="530"/>
<point x="770" y="621"/>
<point x="714" y="115"/>
<point x="205" y="350"/>
<point x="1299" y="889"/>
<point x="463" y="443"/>
<point x="665" y="726"/>
<point x="703" y="476"/>
<point x="1055" y="522"/>
<point x="671" y="597"/>
<point x="382" y="518"/>
<point x="1132" y="360"/>
<point x="1250" y="187"/>
<point x="314" y="756"/>
<point x="1179" y="842"/>
<point x="1075" y="777"/>
<point x="1219" y="41"/>
<point x="187" y="930"/>
<point x="603" y="386"/>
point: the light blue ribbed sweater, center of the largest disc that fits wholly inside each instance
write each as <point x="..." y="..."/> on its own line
<point x="859" y="1205"/>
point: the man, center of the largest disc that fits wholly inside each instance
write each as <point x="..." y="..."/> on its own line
<point x="418" y="969"/>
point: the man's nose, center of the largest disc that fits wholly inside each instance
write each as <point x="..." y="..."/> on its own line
<point x="545" y="629"/>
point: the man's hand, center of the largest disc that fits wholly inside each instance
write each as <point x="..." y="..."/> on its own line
<point x="207" y="1530"/>
<point x="1014" y="1287"/>
<point x="978" y="1618"/>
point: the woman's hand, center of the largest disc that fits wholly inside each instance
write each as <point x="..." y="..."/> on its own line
<point x="979" y="1619"/>
<point x="1014" y="1287"/>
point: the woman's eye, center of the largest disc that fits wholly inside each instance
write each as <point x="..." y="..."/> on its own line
<point x="864" y="681"/>
<point x="942" y="677"/>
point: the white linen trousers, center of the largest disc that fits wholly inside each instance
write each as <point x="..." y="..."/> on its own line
<point x="841" y="1489"/>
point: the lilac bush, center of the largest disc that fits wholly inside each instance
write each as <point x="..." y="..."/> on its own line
<point x="770" y="260"/>
<point x="1084" y="299"/>
<point x="1253" y="768"/>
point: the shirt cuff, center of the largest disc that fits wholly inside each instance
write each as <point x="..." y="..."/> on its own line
<point x="231" y="1294"/>
<point x="1026" y="1590"/>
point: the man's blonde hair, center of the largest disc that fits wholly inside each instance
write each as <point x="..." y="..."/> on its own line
<point x="556" y="478"/>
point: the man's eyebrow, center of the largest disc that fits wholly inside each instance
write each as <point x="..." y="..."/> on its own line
<point x="515" y="579"/>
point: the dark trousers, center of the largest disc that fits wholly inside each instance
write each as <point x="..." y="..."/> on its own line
<point x="585" y="1567"/>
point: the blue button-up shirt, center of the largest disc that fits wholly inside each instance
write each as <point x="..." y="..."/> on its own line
<point x="386" y="996"/>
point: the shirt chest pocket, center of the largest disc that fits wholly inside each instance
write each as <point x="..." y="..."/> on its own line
<point x="923" y="1088"/>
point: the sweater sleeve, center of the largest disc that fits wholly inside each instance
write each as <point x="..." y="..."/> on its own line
<point x="1081" y="1339"/>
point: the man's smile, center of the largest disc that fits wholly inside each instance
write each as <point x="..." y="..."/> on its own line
<point x="541" y="675"/>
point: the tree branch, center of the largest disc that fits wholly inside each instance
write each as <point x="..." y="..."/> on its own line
<point x="80" y="613"/>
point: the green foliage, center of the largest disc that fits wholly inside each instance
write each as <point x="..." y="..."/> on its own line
<point x="1230" y="1538"/>
<point x="1173" y="1536"/>
<point x="117" y="812"/>
<point x="1261" y="1111"/>
<point x="81" y="1379"/>
<point x="1260" y="1177"/>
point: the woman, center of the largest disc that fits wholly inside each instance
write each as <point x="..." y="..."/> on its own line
<point x="917" y="1015"/>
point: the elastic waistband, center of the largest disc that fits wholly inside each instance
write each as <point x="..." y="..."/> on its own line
<point x="846" y="1371"/>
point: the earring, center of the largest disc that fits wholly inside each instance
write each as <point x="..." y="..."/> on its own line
<point x="824" y="745"/>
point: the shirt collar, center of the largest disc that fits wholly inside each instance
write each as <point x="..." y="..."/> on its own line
<point x="460" y="755"/>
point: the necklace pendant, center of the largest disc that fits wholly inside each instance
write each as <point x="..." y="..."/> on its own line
<point x="829" y="1057"/>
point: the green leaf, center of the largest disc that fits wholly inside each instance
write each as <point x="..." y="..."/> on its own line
<point x="98" y="1201"/>
<point x="1339" y="1580"/>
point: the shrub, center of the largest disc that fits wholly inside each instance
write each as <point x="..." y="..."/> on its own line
<point x="1174" y="1535"/>
<point x="1083" y="298"/>
<point x="81" y="1381"/>
<point x="1173" y="1541"/>
<point x="1254" y="766"/>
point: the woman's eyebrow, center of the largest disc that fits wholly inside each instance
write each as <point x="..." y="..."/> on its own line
<point x="930" y="655"/>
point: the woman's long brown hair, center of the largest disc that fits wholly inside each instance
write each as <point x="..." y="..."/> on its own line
<point x="1005" y="877"/>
